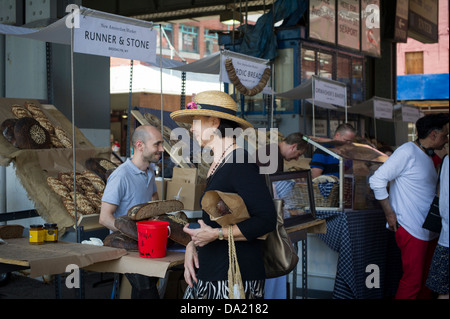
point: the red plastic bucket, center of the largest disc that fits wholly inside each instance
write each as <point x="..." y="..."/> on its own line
<point x="152" y="238"/>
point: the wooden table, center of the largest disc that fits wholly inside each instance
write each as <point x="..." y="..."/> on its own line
<point x="53" y="258"/>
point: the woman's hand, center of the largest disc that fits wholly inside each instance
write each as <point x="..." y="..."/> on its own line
<point x="190" y="264"/>
<point x="203" y="235"/>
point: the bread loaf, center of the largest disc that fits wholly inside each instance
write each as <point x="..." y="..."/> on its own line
<point x="20" y="111"/>
<point x="83" y="204"/>
<point x="44" y="121"/>
<point x="176" y="224"/>
<point x="58" y="187"/>
<point x="34" y="109"/>
<point x="118" y="240"/>
<point x="70" y="207"/>
<point x="7" y="129"/>
<point x="30" y="134"/>
<point x="154" y="208"/>
<point x="11" y="231"/>
<point x="100" y="166"/>
<point x="96" y="181"/>
<point x="56" y="142"/>
<point x="62" y="136"/>
<point x="126" y="226"/>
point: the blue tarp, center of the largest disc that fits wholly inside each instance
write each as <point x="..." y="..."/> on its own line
<point x="423" y="87"/>
<point x="260" y="40"/>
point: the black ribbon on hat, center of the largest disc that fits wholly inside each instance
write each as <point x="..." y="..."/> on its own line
<point x="215" y="108"/>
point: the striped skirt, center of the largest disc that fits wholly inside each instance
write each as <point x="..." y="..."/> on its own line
<point x="254" y="289"/>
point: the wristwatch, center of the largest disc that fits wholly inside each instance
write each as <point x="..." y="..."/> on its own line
<point x="220" y="234"/>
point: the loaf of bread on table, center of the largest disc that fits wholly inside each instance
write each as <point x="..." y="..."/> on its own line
<point x="154" y="208"/>
<point x="118" y="240"/>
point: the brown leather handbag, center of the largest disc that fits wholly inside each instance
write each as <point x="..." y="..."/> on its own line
<point x="280" y="256"/>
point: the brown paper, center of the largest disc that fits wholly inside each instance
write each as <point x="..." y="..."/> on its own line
<point x="49" y="259"/>
<point x="234" y="202"/>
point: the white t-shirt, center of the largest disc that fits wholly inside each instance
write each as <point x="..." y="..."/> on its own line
<point x="443" y="203"/>
<point x="413" y="179"/>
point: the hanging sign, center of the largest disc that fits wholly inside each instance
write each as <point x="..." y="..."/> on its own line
<point x="348" y="23"/>
<point x="115" y="39"/>
<point x="370" y="27"/>
<point x="322" y="20"/>
<point x="410" y="114"/>
<point x="382" y="109"/>
<point x="249" y="72"/>
<point x="328" y="92"/>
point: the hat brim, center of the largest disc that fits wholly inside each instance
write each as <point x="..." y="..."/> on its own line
<point x="187" y="116"/>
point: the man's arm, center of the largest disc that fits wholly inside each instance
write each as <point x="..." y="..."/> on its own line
<point x="107" y="218"/>
<point x="155" y="196"/>
<point x="389" y="213"/>
<point x="315" y="171"/>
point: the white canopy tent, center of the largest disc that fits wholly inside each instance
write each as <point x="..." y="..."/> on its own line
<point x="62" y="32"/>
<point x="318" y="91"/>
<point x="376" y="108"/>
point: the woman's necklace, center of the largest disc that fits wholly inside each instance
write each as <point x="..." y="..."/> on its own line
<point x="221" y="158"/>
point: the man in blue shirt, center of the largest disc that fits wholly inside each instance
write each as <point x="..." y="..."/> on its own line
<point x="324" y="164"/>
<point x="133" y="183"/>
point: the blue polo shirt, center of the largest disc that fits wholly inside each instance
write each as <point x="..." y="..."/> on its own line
<point x="128" y="186"/>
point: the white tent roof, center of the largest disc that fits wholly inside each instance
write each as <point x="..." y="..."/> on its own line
<point x="211" y="63"/>
<point x="58" y="32"/>
<point x="368" y="108"/>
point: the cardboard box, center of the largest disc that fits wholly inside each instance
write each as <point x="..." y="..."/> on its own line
<point x="189" y="195"/>
<point x="159" y="186"/>
<point x="185" y="175"/>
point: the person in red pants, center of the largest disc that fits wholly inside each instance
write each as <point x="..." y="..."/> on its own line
<point x="412" y="176"/>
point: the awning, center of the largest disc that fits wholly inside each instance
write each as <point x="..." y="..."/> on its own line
<point x="376" y="107"/>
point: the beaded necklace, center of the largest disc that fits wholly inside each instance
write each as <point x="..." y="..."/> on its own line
<point x="221" y="159"/>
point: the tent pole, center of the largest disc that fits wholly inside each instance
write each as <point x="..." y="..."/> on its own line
<point x="162" y="108"/>
<point x="313" y="114"/>
<point x="72" y="84"/>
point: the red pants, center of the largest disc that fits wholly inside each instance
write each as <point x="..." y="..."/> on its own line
<point x="416" y="260"/>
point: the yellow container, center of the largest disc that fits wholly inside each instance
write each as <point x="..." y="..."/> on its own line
<point x="37" y="234"/>
<point x="51" y="233"/>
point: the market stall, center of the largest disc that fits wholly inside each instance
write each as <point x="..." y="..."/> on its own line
<point x="356" y="226"/>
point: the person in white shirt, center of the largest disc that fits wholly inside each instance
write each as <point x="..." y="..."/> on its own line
<point x="438" y="275"/>
<point x="412" y="177"/>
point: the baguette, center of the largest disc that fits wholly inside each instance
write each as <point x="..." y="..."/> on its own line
<point x="154" y="208"/>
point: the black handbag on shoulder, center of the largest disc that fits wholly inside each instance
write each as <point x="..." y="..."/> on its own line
<point x="433" y="221"/>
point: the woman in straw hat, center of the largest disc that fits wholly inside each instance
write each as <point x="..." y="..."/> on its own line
<point x="214" y="124"/>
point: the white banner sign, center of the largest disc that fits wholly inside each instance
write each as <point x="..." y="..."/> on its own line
<point x="248" y="72"/>
<point x="110" y="38"/>
<point x="410" y="114"/>
<point x="382" y="109"/>
<point x="327" y="92"/>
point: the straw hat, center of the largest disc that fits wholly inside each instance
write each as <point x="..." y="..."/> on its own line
<point x="210" y="103"/>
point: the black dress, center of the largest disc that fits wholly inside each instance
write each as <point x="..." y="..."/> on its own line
<point x="241" y="176"/>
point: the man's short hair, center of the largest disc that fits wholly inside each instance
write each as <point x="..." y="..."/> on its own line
<point x="425" y="125"/>
<point x="344" y="127"/>
<point x="296" y="138"/>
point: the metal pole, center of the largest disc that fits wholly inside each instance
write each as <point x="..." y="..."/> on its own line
<point x="72" y="84"/>
<point x="162" y="108"/>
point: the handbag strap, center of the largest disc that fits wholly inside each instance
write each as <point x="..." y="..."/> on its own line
<point x="439" y="174"/>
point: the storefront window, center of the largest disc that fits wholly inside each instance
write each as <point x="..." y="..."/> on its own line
<point x="188" y="38"/>
<point x="325" y="65"/>
<point x="308" y="63"/>
<point x="357" y="87"/>
<point x="168" y="37"/>
<point x="284" y="78"/>
<point x="211" y="42"/>
<point x="344" y="72"/>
